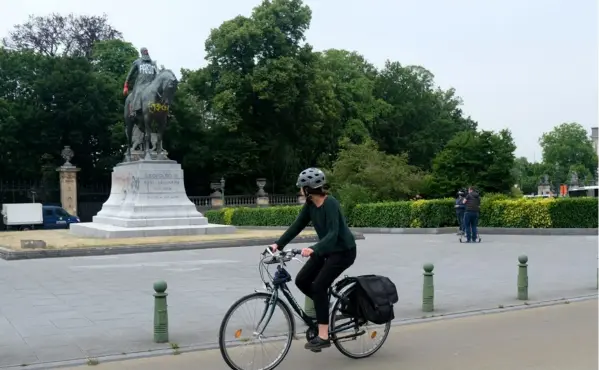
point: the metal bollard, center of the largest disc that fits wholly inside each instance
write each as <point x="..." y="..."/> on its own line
<point x="523" y="278"/>
<point x="160" y="313"/>
<point x="428" y="288"/>
<point x="309" y="307"/>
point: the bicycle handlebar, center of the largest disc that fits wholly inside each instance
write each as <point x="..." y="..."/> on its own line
<point x="281" y="256"/>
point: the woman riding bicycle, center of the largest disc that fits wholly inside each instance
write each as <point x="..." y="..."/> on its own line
<point x="333" y="254"/>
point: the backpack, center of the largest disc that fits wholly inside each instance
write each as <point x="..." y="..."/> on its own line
<point x="375" y="296"/>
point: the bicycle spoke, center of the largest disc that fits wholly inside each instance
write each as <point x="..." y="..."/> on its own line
<point x="257" y="345"/>
<point x="348" y="331"/>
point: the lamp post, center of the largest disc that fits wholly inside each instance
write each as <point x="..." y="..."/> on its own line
<point x="222" y="189"/>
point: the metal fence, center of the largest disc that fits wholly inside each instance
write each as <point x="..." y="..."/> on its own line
<point x="204" y="203"/>
<point x="91" y="197"/>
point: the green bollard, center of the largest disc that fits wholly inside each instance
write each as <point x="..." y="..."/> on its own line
<point x="160" y="313"/>
<point x="309" y="307"/>
<point x="428" y="289"/>
<point x="523" y="278"/>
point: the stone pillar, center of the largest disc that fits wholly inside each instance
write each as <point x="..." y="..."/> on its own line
<point x="261" y="196"/>
<point x="216" y="198"/>
<point x="68" y="182"/>
<point x="544" y="186"/>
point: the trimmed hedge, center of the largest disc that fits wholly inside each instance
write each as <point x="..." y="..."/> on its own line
<point x="512" y="213"/>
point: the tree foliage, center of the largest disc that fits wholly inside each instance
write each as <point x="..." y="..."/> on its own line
<point x="567" y="149"/>
<point x="362" y="173"/>
<point x="482" y="159"/>
<point x="264" y="105"/>
<point x="59" y="35"/>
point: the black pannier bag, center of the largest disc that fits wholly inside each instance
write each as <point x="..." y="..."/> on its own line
<point x="374" y="297"/>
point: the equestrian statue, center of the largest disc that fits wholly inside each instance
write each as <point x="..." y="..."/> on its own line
<point x="147" y="107"/>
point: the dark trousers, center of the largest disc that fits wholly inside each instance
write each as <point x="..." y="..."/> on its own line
<point x="471" y="224"/>
<point x="318" y="274"/>
<point x="460" y="216"/>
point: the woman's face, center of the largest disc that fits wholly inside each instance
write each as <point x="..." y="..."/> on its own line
<point x="302" y="192"/>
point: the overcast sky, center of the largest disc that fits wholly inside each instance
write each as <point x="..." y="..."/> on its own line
<point x="526" y="65"/>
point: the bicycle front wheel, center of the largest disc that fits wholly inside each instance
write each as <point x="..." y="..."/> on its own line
<point x="256" y="333"/>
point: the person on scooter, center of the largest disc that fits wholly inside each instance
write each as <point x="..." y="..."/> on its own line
<point x="472" y="202"/>
<point x="460" y="209"/>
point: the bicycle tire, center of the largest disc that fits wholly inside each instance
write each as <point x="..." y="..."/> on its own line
<point x="238" y="303"/>
<point x="335" y="313"/>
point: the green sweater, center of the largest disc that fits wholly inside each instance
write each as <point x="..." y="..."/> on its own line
<point x="329" y="223"/>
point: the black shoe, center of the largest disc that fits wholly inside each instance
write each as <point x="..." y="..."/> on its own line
<point x="317" y="344"/>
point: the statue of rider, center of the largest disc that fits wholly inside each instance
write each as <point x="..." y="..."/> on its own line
<point x="145" y="70"/>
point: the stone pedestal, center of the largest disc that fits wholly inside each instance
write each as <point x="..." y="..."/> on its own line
<point x="139" y="155"/>
<point x="544" y="189"/>
<point x="216" y="200"/>
<point x="148" y="198"/>
<point x="68" y="188"/>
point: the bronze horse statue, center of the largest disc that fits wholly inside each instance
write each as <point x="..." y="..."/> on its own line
<point x="156" y="99"/>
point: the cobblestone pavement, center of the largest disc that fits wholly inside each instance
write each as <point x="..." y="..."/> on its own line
<point x="70" y="308"/>
<point x="559" y="337"/>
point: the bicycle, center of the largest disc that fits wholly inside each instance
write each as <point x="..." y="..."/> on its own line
<point x="269" y="300"/>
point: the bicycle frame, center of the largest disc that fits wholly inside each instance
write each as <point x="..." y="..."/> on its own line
<point x="336" y="291"/>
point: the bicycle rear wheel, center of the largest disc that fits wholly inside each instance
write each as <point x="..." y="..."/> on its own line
<point x="238" y="338"/>
<point x="359" y="338"/>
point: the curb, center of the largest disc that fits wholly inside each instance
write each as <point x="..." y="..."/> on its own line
<point x="10" y="255"/>
<point x="452" y="230"/>
<point x="401" y="322"/>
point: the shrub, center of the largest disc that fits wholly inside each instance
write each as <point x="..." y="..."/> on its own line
<point x="516" y="213"/>
<point x="574" y="212"/>
<point x="349" y="195"/>
<point x="243" y="216"/>
<point x="390" y="214"/>
<point x="520" y="213"/>
<point x="270" y="216"/>
<point x="421" y="213"/>
<point x="433" y="213"/>
<point x="216" y="216"/>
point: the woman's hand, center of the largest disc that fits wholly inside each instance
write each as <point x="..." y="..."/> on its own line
<point x="306" y="252"/>
<point x="274" y="248"/>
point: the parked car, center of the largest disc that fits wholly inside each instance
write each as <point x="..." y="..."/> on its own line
<point x="29" y="216"/>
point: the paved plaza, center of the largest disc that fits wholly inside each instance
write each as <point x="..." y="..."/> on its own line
<point x="89" y="307"/>
<point x="562" y="337"/>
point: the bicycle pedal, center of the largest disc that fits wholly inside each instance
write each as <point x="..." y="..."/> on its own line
<point x="316" y="350"/>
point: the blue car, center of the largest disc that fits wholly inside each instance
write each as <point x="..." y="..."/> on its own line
<point x="55" y="217"/>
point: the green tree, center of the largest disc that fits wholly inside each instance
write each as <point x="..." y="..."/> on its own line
<point x="362" y="173"/>
<point x="565" y="147"/>
<point x="423" y="118"/>
<point x="528" y="175"/>
<point x="484" y="159"/>
<point x="354" y="82"/>
<point x="111" y="60"/>
<point x="50" y="102"/>
<point x="60" y="35"/>
<point x="113" y="57"/>
<point x="270" y="109"/>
